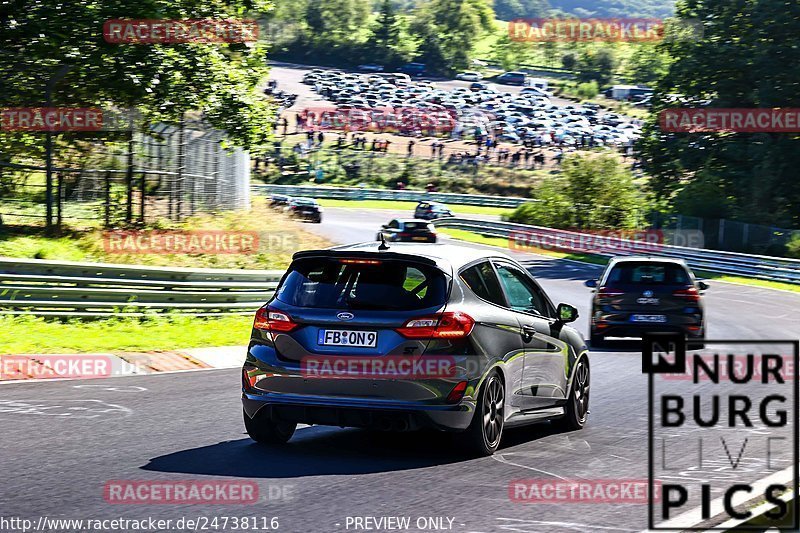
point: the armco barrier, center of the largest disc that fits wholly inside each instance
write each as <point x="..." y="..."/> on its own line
<point x="63" y="288"/>
<point x="753" y="266"/>
<point x="355" y="193"/>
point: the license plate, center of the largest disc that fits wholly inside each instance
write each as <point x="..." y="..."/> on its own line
<point x="340" y="337"/>
<point x="419" y="238"/>
<point x="649" y="318"/>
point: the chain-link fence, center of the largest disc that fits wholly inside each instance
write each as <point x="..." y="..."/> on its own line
<point x="163" y="172"/>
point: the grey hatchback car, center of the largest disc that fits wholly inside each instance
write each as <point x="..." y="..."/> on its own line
<point x="406" y="336"/>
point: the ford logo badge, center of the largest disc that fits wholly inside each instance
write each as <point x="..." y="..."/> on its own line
<point x="647" y="294"/>
<point x="345" y="316"/>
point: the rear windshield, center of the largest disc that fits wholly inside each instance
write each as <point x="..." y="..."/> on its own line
<point x="416" y="225"/>
<point x="354" y="284"/>
<point x="648" y="274"/>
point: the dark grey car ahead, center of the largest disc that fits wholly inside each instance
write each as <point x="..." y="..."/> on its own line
<point x="635" y="295"/>
<point x="408" y="336"/>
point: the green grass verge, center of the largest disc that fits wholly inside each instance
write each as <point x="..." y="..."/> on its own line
<point x="409" y="206"/>
<point x="278" y="238"/>
<point x="468" y="236"/>
<point x="26" y="334"/>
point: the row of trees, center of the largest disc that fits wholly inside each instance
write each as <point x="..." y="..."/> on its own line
<point x="440" y="33"/>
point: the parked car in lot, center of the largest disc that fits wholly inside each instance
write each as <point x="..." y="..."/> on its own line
<point x="305" y="208"/>
<point x="279" y="200"/>
<point x="512" y="78"/>
<point x="469" y="76"/>
<point x="413" y="69"/>
<point x="528" y="114"/>
<point x="371" y="67"/>
<point x="635" y="295"/>
<point x="431" y="210"/>
<point x="497" y="352"/>
<point x="407" y="230"/>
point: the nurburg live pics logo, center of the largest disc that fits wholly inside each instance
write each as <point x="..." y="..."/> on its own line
<point x="725" y="441"/>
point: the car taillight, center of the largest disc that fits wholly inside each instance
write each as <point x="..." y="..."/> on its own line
<point x="269" y="319"/>
<point x="691" y="294"/>
<point x="450" y="325"/>
<point x="458" y="392"/>
<point x="607" y="292"/>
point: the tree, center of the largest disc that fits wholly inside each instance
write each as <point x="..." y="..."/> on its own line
<point x="390" y="42"/>
<point x="569" y="60"/>
<point x="597" y="65"/>
<point x="648" y="64"/>
<point x="162" y="81"/>
<point x="594" y="191"/>
<point x="516" y="9"/>
<point x="449" y="29"/>
<point x="744" y="59"/>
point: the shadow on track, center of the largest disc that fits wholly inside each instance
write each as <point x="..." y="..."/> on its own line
<point x="324" y="451"/>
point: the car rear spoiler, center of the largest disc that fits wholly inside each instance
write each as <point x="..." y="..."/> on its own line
<point x="356" y="254"/>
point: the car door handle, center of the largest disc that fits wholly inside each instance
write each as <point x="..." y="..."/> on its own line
<point x="528" y="332"/>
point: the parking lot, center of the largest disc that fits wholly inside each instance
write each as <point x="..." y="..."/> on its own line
<point x="503" y="119"/>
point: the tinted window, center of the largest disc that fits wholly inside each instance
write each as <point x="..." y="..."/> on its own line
<point x="348" y="284"/>
<point x="643" y="273"/>
<point x="482" y="280"/>
<point x="416" y="226"/>
<point x="522" y="293"/>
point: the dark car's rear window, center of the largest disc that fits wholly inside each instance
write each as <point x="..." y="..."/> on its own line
<point x="644" y="273"/>
<point x="363" y="284"/>
<point x="413" y="226"/>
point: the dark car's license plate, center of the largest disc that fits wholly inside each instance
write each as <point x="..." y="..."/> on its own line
<point x="341" y="337"/>
<point x="649" y="318"/>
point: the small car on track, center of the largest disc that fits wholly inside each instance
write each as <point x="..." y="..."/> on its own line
<point x="305" y="208"/>
<point x="637" y="294"/>
<point x="407" y="230"/>
<point x="431" y="210"/>
<point x="483" y="346"/>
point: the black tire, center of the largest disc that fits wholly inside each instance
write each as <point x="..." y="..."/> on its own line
<point x="266" y="431"/>
<point x="696" y="343"/>
<point x="577" y="407"/>
<point x="318" y="220"/>
<point x="486" y="429"/>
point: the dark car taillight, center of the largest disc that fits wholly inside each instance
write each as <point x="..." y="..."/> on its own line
<point x="450" y="325"/>
<point x="691" y="294"/>
<point x="269" y="319"/>
<point x="608" y="292"/>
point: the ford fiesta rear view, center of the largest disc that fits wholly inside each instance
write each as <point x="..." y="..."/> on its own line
<point x="412" y="336"/>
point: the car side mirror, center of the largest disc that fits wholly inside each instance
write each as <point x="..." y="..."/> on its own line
<point x="703" y="286"/>
<point x="591" y="283"/>
<point x="566" y="313"/>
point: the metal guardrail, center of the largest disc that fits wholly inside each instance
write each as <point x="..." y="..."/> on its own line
<point x="523" y="237"/>
<point x="64" y="288"/>
<point x="355" y="193"/>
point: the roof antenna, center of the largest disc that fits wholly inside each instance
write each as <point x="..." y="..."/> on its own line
<point x="383" y="247"/>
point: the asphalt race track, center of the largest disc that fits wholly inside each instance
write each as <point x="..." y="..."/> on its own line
<point x="62" y="441"/>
